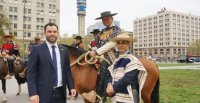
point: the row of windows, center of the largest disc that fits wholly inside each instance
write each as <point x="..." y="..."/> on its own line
<point x="13" y="17"/>
<point x="167" y="15"/>
<point x="40" y="20"/>
<point x="13" y="9"/>
<point x="26" y="34"/>
<point x="162" y="44"/>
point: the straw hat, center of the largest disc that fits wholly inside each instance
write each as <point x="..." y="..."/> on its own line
<point x="7" y="35"/>
<point x="124" y="37"/>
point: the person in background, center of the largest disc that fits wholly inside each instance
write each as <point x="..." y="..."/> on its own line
<point x="93" y="43"/>
<point x="10" y="49"/>
<point x="78" y="43"/>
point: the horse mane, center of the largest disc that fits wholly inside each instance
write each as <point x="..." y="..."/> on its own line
<point x="73" y="50"/>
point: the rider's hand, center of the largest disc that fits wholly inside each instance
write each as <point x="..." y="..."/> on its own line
<point x="109" y="90"/>
<point x="34" y="99"/>
<point x="73" y="92"/>
<point x="93" y="53"/>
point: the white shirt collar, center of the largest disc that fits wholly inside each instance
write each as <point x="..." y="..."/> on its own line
<point x="49" y="44"/>
<point x="124" y="54"/>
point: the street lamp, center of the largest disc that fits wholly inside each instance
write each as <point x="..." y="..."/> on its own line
<point x="24" y="1"/>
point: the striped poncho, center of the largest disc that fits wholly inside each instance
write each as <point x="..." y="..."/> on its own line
<point x="127" y="74"/>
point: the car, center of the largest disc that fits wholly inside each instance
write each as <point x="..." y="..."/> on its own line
<point x="197" y="59"/>
<point x="185" y="60"/>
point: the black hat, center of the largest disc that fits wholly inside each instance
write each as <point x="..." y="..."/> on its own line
<point x="106" y="14"/>
<point x="78" y="37"/>
<point x="95" y="31"/>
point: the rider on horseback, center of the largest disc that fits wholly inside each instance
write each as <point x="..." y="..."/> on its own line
<point x="104" y="44"/>
<point x="9" y="48"/>
<point x="93" y="43"/>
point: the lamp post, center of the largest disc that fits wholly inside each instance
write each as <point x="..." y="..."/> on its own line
<point x="24" y="1"/>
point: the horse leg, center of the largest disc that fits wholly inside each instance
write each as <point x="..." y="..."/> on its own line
<point x="146" y="97"/>
<point x="19" y="90"/>
<point x="3" y="81"/>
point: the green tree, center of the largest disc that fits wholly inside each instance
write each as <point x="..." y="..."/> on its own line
<point x="5" y="23"/>
<point x="194" y="48"/>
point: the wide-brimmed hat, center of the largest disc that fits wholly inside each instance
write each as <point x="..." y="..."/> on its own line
<point x="106" y="14"/>
<point x="7" y="35"/>
<point x="124" y="37"/>
<point x="37" y="38"/>
<point x="95" y="31"/>
<point x="78" y="37"/>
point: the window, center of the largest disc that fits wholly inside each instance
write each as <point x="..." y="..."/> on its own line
<point x="29" y="11"/>
<point x="1" y="8"/>
<point x="11" y="9"/>
<point x="15" y="9"/>
<point x="13" y="1"/>
<point x="15" y="26"/>
<point x="37" y="27"/>
<point x="29" y="26"/>
<point x="15" y="17"/>
<point x="29" y="34"/>
<point x="42" y="20"/>
<point x="29" y="18"/>
<point x="15" y="33"/>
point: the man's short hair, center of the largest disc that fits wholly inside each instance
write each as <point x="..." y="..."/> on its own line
<point x="50" y="24"/>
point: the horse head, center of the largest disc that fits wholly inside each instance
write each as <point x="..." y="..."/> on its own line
<point x="19" y="65"/>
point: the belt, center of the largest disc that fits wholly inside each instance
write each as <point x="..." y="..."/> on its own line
<point x="57" y="88"/>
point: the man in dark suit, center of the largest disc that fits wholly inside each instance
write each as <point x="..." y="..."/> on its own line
<point x="49" y="70"/>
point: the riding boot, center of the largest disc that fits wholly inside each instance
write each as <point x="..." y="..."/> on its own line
<point x="10" y="68"/>
<point x="103" y="78"/>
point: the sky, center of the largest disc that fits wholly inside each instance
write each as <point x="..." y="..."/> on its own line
<point x="127" y="10"/>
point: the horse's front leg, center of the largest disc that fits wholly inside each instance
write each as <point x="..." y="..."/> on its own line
<point x="19" y="90"/>
<point x="3" y="81"/>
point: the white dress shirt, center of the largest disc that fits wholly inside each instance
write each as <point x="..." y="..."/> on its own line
<point x="59" y="73"/>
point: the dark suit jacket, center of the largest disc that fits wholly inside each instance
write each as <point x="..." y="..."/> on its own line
<point x="41" y="72"/>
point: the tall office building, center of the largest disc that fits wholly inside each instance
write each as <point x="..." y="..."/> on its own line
<point x="28" y="17"/>
<point x="165" y="35"/>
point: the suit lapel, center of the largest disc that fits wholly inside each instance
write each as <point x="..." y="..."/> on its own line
<point x="47" y="53"/>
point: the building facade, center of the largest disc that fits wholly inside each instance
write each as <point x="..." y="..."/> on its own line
<point x="28" y="17"/>
<point x="165" y="35"/>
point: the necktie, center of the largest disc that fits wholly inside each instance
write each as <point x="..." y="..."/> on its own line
<point x="55" y="65"/>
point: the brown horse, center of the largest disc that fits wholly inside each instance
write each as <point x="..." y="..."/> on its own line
<point x="19" y="66"/>
<point x="85" y="77"/>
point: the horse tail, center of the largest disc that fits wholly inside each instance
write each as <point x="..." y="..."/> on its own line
<point x="155" y="94"/>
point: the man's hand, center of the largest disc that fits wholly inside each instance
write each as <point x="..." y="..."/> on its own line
<point x="109" y="90"/>
<point x="73" y="92"/>
<point x="34" y="99"/>
<point x="93" y="53"/>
